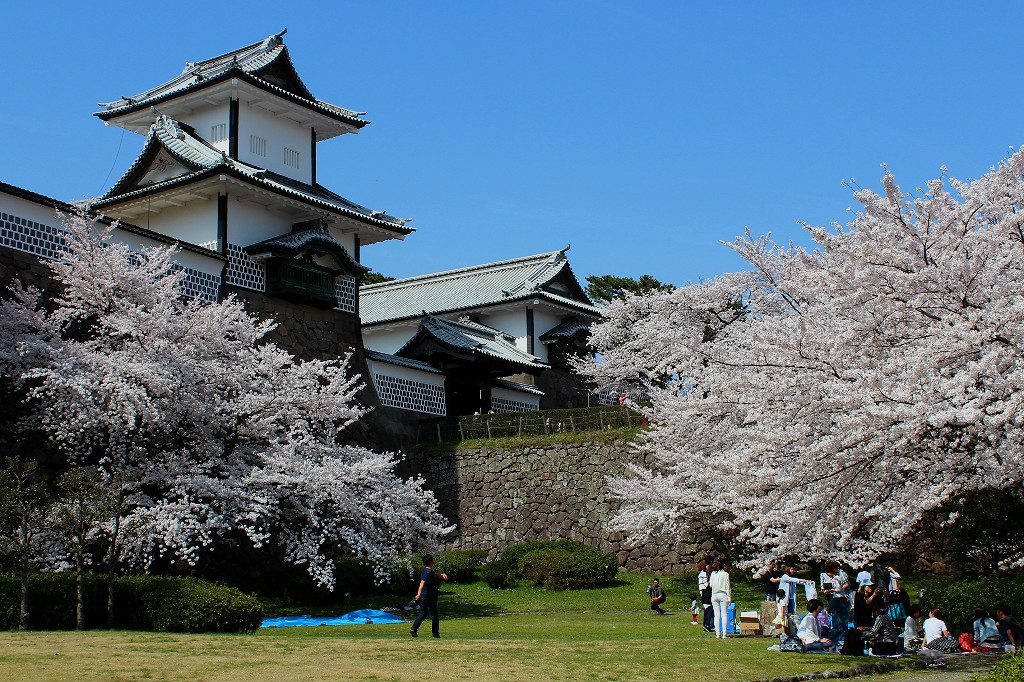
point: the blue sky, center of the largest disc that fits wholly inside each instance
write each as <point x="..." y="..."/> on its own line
<point x="641" y="133"/>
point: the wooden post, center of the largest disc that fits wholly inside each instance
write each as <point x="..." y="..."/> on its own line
<point x="438" y="432"/>
<point x="629" y="418"/>
<point x="489" y="429"/>
<point x="520" y="427"/>
<point x="462" y="434"/>
<point x="600" y="418"/>
<point x="546" y="428"/>
<point x="572" y="423"/>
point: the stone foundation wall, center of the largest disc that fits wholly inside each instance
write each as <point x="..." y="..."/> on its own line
<point x="499" y="497"/>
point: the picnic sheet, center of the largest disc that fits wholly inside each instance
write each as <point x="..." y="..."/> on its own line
<point x="361" y="617"/>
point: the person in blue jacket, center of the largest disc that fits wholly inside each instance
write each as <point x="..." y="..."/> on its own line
<point x="426" y="597"/>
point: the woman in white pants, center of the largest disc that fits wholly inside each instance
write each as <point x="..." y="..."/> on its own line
<point x="721" y="595"/>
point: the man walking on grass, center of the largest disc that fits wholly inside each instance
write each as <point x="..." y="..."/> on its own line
<point x="426" y="597"/>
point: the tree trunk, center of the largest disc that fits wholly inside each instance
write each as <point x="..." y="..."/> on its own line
<point x="112" y="568"/>
<point x="23" y="622"/>
<point x="79" y="585"/>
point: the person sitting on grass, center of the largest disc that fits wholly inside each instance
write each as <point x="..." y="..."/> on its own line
<point x="1010" y="630"/>
<point x="912" y="629"/>
<point x="426" y="596"/>
<point x="986" y="632"/>
<point x="882" y="636"/>
<point x="936" y="634"/>
<point x="657" y="594"/>
<point x="808" y="630"/>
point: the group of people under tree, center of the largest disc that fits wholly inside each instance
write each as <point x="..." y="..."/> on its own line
<point x="873" y="609"/>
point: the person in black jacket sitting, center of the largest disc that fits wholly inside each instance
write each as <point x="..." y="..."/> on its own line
<point x="882" y="636"/>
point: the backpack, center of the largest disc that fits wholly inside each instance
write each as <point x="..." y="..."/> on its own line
<point x="967" y="641"/>
<point x="853" y="645"/>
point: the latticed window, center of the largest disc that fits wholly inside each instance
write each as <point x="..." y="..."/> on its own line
<point x="257" y="145"/>
<point x="291" y="158"/>
<point x="409" y="394"/>
<point x="219" y="133"/>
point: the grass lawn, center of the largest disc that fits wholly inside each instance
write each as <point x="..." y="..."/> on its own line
<point x="525" y="633"/>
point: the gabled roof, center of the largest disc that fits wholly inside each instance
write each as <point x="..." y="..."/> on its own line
<point x="471" y="339"/>
<point x="516" y="386"/>
<point x="566" y="330"/>
<point x="475" y="287"/>
<point x="265" y="64"/>
<point x="201" y="161"/>
<point x="377" y="356"/>
<point x="315" y="239"/>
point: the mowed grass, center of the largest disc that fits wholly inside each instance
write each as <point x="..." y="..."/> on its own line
<point x="520" y="634"/>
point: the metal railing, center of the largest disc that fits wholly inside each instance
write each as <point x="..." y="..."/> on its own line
<point x="533" y="423"/>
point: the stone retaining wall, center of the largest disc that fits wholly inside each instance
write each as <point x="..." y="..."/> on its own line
<point x="499" y="497"/>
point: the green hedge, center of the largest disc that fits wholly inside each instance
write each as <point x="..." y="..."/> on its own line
<point x="460" y="565"/>
<point x="554" y="564"/>
<point x="160" y="603"/>
<point x="1009" y="669"/>
<point x="957" y="597"/>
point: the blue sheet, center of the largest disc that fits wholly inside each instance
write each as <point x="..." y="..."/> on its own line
<point x="361" y="617"/>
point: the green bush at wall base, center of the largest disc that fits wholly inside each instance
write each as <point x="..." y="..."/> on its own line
<point x="554" y="564"/>
<point x="161" y="603"/>
<point x="1009" y="669"/>
<point x="958" y="597"/>
<point x="460" y="565"/>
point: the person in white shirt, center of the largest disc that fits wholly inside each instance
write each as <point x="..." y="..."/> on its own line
<point x="911" y="629"/>
<point x="936" y="634"/>
<point x="789" y="583"/>
<point x="808" y="630"/>
<point x="721" y="595"/>
<point x="704" y="589"/>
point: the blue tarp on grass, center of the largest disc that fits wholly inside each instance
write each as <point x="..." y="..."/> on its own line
<point x="361" y="617"/>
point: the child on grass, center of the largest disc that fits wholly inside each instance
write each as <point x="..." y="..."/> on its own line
<point x="694" y="607"/>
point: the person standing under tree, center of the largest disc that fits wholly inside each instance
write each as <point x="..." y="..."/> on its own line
<point x="721" y="595"/>
<point x="426" y="596"/>
<point x="704" y="588"/>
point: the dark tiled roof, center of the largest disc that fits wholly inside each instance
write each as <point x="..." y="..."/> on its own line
<point x="377" y="356"/>
<point x="204" y="160"/>
<point x="468" y="288"/>
<point x="256" y="63"/>
<point x="474" y="338"/>
<point x="295" y="242"/>
<point x="565" y="330"/>
<point x="516" y="386"/>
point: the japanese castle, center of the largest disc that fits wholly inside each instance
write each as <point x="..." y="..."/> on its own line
<point x="228" y="174"/>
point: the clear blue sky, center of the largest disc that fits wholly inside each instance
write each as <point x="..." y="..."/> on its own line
<point x="641" y="133"/>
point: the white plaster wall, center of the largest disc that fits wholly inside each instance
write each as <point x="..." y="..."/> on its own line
<point x="203" y="120"/>
<point x="507" y="394"/>
<point x="195" y="222"/>
<point x="509" y="321"/>
<point x="29" y="210"/>
<point x="279" y="133"/>
<point x="388" y="340"/>
<point x="406" y="373"/>
<point x="348" y="240"/>
<point x="249" y="223"/>
<point x="544" y="319"/>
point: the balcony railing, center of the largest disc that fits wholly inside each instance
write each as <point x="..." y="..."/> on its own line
<point x="297" y="280"/>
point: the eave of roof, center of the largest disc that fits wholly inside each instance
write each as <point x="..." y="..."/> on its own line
<point x="516" y="386"/>
<point x="269" y="185"/>
<point x="65" y="207"/>
<point x="572" y="304"/>
<point x="565" y="330"/>
<point x="297" y="241"/>
<point x="410" y="363"/>
<point x="463" y="337"/>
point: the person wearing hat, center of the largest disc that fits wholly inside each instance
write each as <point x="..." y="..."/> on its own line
<point x="864" y="605"/>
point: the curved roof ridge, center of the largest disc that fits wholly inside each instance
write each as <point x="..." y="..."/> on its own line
<point x="467" y="270"/>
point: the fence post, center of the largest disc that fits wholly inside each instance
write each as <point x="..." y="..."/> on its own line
<point x="600" y="418"/>
<point x="629" y="422"/>
<point x="462" y="434"/>
<point x="438" y="432"/>
<point x="520" y="427"/>
<point x="546" y="429"/>
<point x="572" y="423"/>
<point x="489" y="429"/>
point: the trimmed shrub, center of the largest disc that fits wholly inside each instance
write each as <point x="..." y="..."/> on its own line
<point x="461" y="564"/>
<point x="515" y="553"/>
<point x="499" y="574"/>
<point x="168" y="604"/>
<point x="958" y="597"/>
<point x="561" y="569"/>
<point x="1009" y="669"/>
<point x="141" y="602"/>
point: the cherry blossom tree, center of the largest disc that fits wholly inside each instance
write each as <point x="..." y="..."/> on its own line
<point x="819" y="404"/>
<point x="216" y="431"/>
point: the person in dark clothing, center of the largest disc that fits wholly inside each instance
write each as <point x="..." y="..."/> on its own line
<point x="899" y="603"/>
<point x="770" y="582"/>
<point x="864" y="605"/>
<point x="882" y="636"/>
<point x="704" y="588"/>
<point x="1009" y="629"/>
<point x="426" y="596"/>
<point x="657" y="595"/>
